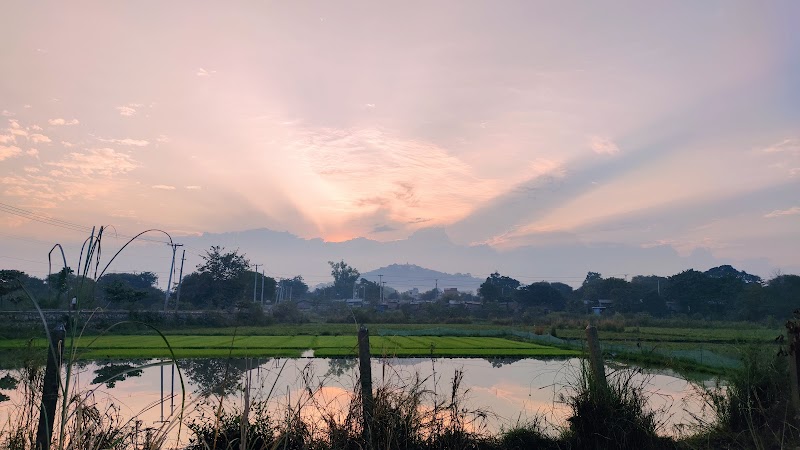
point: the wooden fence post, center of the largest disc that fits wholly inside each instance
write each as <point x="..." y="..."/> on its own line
<point x="365" y="374"/>
<point x="595" y="356"/>
<point x="52" y="377"/>
<point x="793" y="333"/>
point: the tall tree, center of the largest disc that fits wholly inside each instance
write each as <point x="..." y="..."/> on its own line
<point x="498" y="288"/>
<point x="131" y="289"/>
<point x="697" y="292"/>
<point x="591" y="286"/>
<point x="370" y="291"/>
<point x="783" y="293"/>
<point x="592" y="277"/>
<point x="9" y="281"/>
<point x="344" y="278"/>
<point x="295" y="288"/>
<point x="222" y="280"/>
<point x="143" y="280"/>
<point x="120" y="292"/>
<point x="223" y="266"/>
<point x="541" y="295"/>
<point x="727" y="271"/>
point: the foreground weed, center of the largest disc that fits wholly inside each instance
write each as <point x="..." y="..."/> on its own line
<point x="79" y="423"/>
<point x="752" y="409"/>
<point x="612" y="415"/>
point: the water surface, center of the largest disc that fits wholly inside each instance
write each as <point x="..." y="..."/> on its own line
<point x="502" y="392"/>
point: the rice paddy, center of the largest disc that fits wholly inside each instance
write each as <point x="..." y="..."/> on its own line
<point x="143" y="346"/>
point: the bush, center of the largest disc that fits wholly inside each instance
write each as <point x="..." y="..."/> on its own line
<point x="527" y="437"/>
<point x="612" y="415"/>
<point x="225" y="431"/>
<point x="754" y="409"/>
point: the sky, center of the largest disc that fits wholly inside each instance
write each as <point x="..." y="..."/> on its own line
<point x="512" y="124"/>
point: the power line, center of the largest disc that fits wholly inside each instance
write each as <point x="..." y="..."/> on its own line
<point x="48" y="220"/>
<point x="43" y="219"/>
<point x="21" y="259"/>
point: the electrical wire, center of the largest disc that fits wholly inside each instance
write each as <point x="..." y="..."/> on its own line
<point x="43" y="219"/>
<point x="48" y="220"/>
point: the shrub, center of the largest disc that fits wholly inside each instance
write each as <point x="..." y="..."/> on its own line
<point x="754" y="409"/>
<point x="612" y="415"/>
<point x="224" y="431"/>
<point x="526" y="437"/>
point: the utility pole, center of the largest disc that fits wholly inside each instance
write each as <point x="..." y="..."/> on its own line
<point x="171" y="270"/>
<point x="380" y="277"/>
<point x="255" y="283"/>
<point x="180" y="280"/>
<point x="436" y="289"/>
<point x="262" y="287"/>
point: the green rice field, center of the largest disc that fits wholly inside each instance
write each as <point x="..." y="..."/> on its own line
<point x="144" y="346"/>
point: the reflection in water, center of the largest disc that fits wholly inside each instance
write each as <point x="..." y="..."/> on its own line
<point x="339" y="366"/>
<point x="515" y="391"/>
<point x="110" y="373"/>
<point x="215" y="376"/>
<point x="499" y="362"/>
<point x="8" y="383"/>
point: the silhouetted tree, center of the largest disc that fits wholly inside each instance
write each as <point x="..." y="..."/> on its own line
<point x="223" y="266"/>
<point x="344" y="278"/>
<point x="541" y="295"/>
<point x="498" y="287"/>
<point x="222" y="280"/>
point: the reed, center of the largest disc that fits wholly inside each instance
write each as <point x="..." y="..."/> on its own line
<point x="80" y="422"/>
<point x="751" y="408"/>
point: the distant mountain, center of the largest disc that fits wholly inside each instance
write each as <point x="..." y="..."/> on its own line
<point x="404" y="277"/>
<point x="285" y="255"/>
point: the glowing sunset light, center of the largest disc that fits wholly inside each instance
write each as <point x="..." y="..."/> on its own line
<point x="559" y="122"/>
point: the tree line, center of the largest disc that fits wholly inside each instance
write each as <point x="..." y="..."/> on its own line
<point x="718" y="293"/>
<point x="225" y="280"/>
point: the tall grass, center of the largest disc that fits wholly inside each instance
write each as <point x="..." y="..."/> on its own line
<point x="752" y="409"/>
<point x="408" y="414"/>
<point x="19" y="430"/>
<point x="612" y="414"/>
<point x="79" y="423"/>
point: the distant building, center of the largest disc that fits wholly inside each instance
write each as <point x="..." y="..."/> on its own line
<point x="449" y="293"/>
<point x="599" y="307"/>
<point x="354" y="302"/>
<point x="470" y="305"/>
<point x="304" y="305"/>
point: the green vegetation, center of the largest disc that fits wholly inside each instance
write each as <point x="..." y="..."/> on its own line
<point x="120" y="347"/>
<point x="752" y="410"/>
<point x="611" y="414"/>
<point x="673" y="322"/>
<point x="710" y="350"/>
